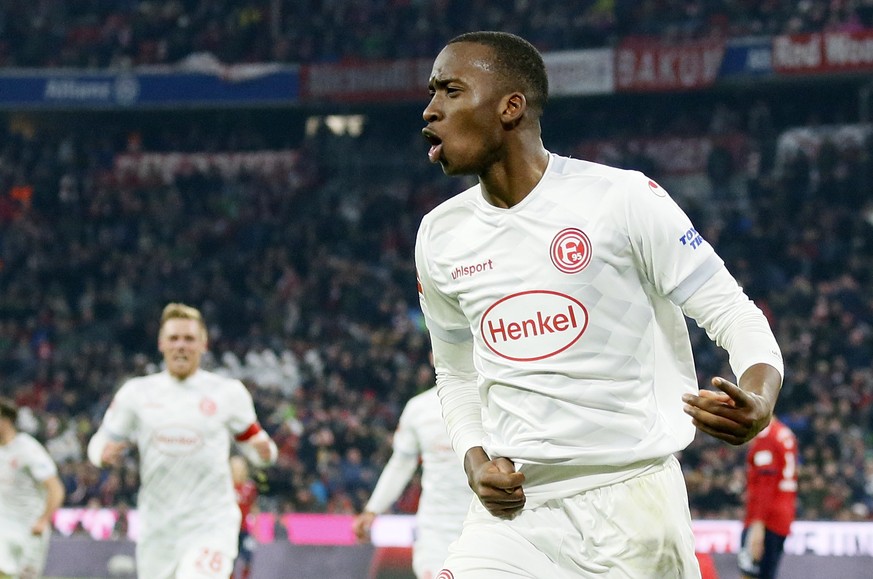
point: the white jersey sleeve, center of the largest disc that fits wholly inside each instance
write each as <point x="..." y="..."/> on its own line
<point x="24" y="466"/>
<point x="735" y="323"/>
<point x="41" y="465"/>
<point x="120" y="421"/>
<point x="452" y="343"/>
<point x="442" y="313"/>
<point x="674" y="257"/>
<point x="243" y="421"/>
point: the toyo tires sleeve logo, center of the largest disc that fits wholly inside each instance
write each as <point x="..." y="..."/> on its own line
<point x="533" y="325"/>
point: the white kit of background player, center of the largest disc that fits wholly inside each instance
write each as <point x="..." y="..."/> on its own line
<point x="30" y="493"/>
<point x="445" y="493"/>
<point x="182" y="421"/>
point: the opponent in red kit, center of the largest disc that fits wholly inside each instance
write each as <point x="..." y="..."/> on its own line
<point x="771" y="500"/>
<point x="246" y="495"/>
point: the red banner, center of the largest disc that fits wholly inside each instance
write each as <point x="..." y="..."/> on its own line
<point x="643" y="66"/>
<point x="823" y="52"/>
<point x="369" y="81"/>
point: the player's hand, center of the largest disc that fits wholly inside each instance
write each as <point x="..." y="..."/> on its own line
<point x="362" y="525"/>
<point x="112" y="452"/>
<point x="39" y="526"/>
<point x="730" y="414"/>
<point x="495" y="482"/>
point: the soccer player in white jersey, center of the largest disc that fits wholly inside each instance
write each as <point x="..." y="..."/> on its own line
<point x="182" y="421"/>
<point x="445" y="494"/>
<point x="555" y="292"/>
<point x="30" y="493"/>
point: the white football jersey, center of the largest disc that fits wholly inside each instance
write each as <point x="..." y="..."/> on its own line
<point x="25" y="465"/>
<point x="445" y="493"/>
<point x="570" y="298"/>
<point x="183" y="431"/>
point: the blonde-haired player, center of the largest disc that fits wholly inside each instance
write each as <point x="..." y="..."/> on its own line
<point x="30" y="493"/>
<point x="182" y="421"/>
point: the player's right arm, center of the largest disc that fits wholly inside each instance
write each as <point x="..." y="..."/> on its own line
<point x="53" y="500"/>
<point x="395" y="476"/>
<point x="103" y="451"/>
<point x="405" y="455"/>
<point x="109" y="443"/>
<point x="495" y="481"/>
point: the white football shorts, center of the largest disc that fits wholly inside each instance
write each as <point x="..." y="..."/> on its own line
<point x="635" y="529"/>
<point x="23" y="554"/>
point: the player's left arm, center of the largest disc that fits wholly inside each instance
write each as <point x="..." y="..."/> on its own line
<point x="54" y="499"/>
<point x="685" y="269"/>
<point x="737" y="412"/>
<point x="251" y="439"/>
<point x="256" y="445"/>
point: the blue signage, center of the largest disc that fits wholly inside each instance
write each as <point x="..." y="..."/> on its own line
<point x="55" y="89"/>
<point x="747" y="57"/>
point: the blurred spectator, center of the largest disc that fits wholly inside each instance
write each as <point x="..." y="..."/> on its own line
<point x="124" y="34"/>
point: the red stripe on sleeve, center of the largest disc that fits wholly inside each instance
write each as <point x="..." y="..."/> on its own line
<point x="248" y="432"/>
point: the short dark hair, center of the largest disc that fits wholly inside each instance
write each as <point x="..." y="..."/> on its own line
<point x="517" y="61"/>
<point x="8" y="409"/>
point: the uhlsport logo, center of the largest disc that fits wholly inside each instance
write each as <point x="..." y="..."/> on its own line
<point x="571" y="250"/>
<point x="445" y="574"/>
<point x="533" y="325"/>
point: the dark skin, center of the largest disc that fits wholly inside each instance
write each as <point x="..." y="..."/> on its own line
<point x="478" y="125"/>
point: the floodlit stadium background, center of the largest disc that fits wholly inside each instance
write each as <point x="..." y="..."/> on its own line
<point x="262" y="160"/>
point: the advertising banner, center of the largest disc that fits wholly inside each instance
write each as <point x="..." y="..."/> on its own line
<point x="650" y="66"/>
<point x="394" y="80"/>
<point x="53" y="89"/>
<point x="747" y="57"/>
<point x="580" y="72"/>
<point x="827" y="52"/>
<point x="837" y="539"/>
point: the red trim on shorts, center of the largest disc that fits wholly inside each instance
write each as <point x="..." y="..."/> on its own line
<point x="248" y="432"/>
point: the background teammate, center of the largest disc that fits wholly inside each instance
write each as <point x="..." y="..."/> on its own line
<point x="445" y="493"/>
<point x="182" y="421"/>
<point x="30" y="493"/>
<point x="563" y="364"/>
<point x="771" y="500"/>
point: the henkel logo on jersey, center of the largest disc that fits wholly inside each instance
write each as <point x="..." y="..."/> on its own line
<point x="570" y="250"/>
<point x="177" y="440"/>
<point x="533" y="325"/>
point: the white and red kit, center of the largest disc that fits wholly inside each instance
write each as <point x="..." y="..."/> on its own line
<point x="25" y="466"/>
<point x="445" y="493"/>
<point x="560" y="342"/>
<point x="183" y="430"/>
<point x="771" y="478"/>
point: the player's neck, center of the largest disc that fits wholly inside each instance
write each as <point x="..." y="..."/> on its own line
<point x="6" y="435"/>
<point x="508" y="182"/>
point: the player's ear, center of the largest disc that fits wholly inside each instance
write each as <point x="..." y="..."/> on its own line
<point x="512" y="108"/>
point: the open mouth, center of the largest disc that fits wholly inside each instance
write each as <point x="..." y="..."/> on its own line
<point x="436" y="145"/>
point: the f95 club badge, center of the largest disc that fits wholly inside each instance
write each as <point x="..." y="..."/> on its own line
<point x="570" y="250"/>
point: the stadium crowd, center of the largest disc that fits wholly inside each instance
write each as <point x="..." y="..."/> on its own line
<point x="305" y="276"/>
<point x="96" y="34"/>
<point x="305" y="273"/>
